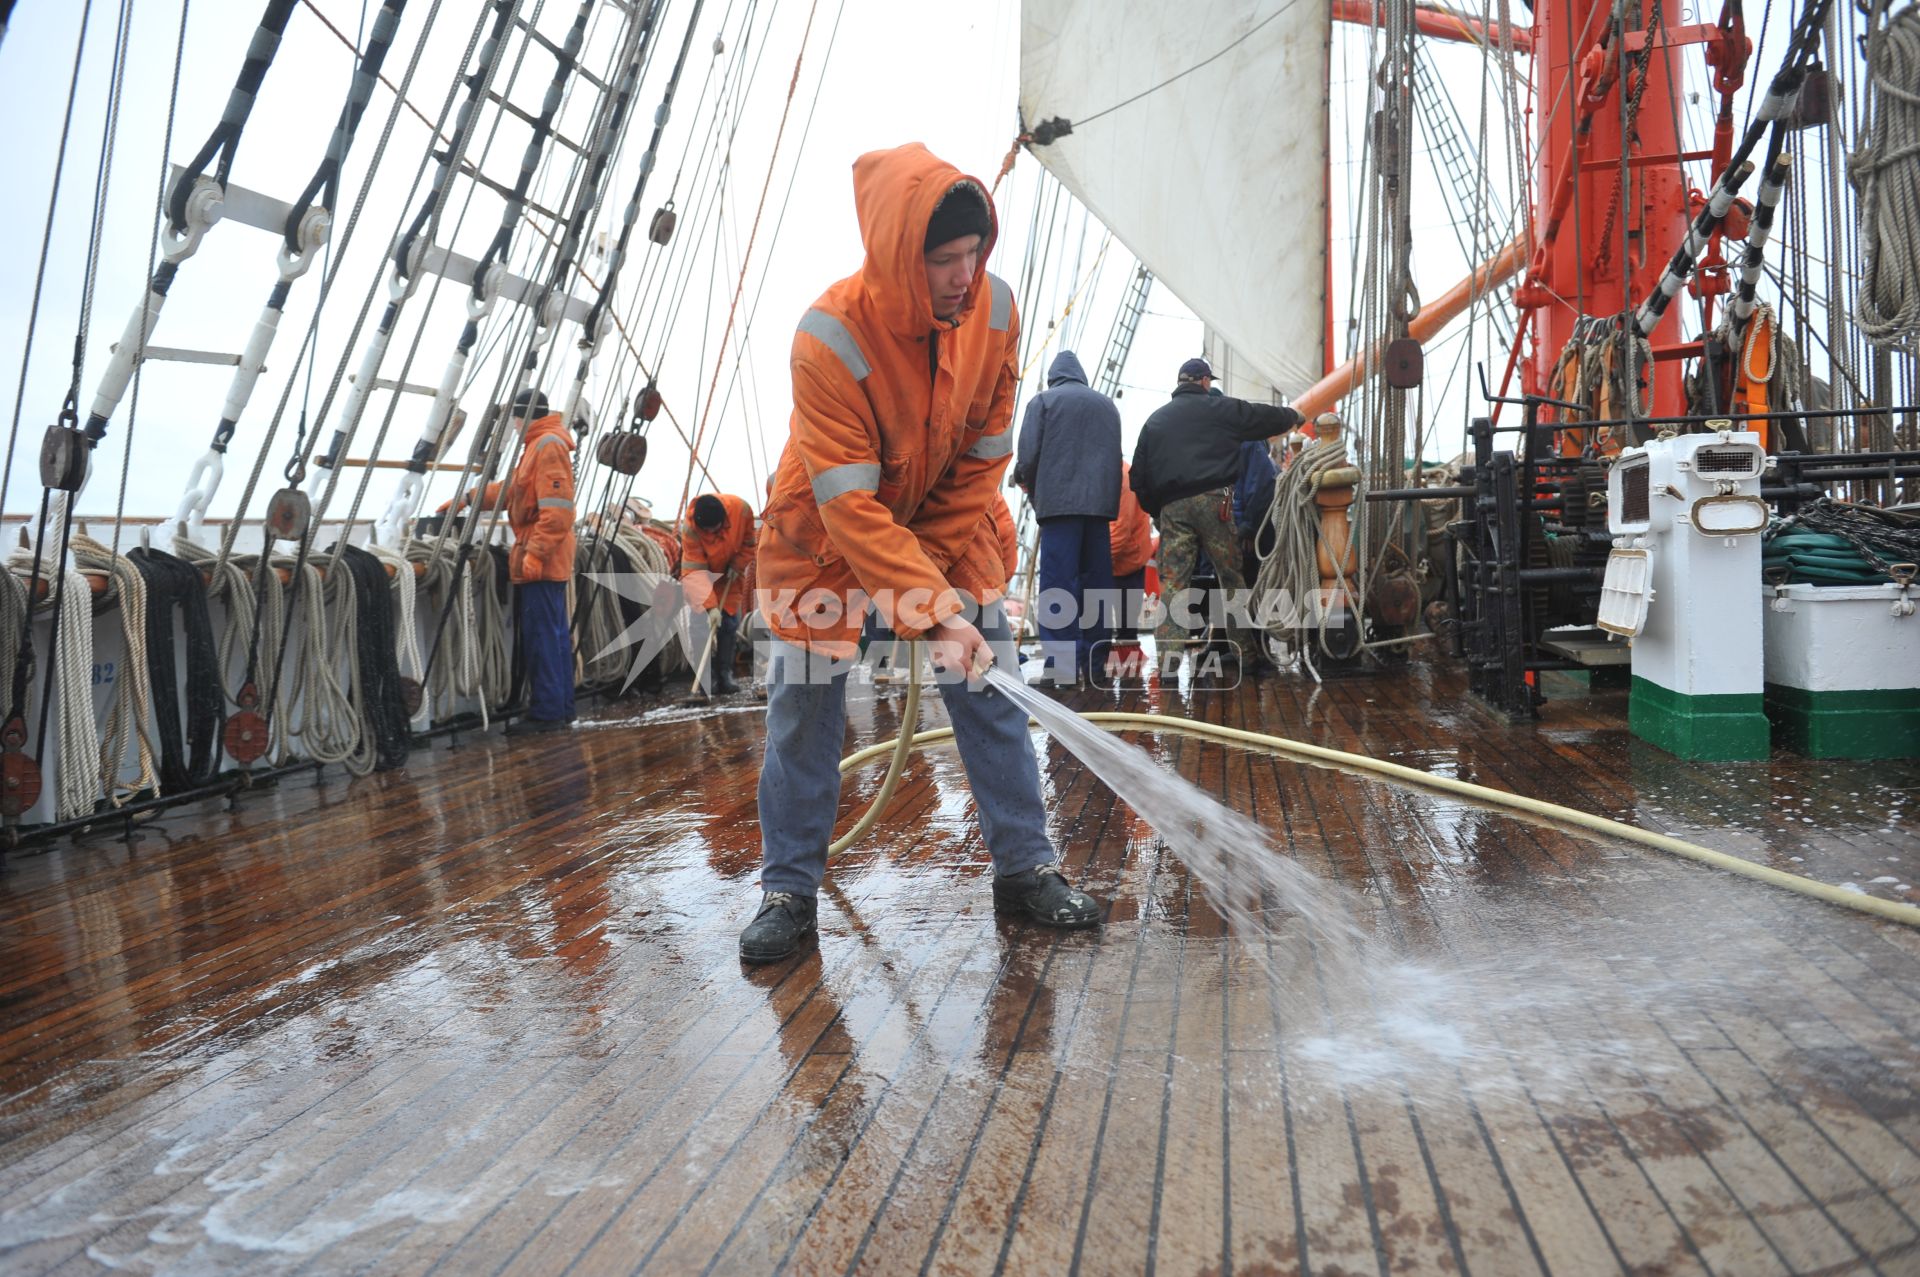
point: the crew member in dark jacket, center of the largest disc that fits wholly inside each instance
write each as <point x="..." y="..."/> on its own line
<point x="1069" y="465"/>
<point x="1184" y="471"/>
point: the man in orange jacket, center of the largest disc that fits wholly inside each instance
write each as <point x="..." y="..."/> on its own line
<point x="903" y="383"/>
<point x="539" y="500"/>
<point x="717" y="544"/>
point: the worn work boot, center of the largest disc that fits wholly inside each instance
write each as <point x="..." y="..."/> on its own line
<point x="784" y="921"/>
<point x="1043" y="895"/>
<point x="721" y="675"/>
<point x="527" y="726"/>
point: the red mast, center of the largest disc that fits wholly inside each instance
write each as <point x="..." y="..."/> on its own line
<point x="1602" y="237"/>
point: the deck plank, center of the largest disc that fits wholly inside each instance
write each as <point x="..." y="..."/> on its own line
<point x="485" y="1014"/>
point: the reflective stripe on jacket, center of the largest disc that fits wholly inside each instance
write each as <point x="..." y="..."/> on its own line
<point x="713" y="565"/>
<point x="540" y="504"/>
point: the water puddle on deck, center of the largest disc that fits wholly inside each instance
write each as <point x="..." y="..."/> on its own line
<point x="1542" y="1013"/>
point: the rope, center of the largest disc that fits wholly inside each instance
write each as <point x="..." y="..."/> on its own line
<point x="46" y="239"/>
<point x="398" y="93"/>
<point x="377" y="672"/>
<point x="331" y="725"/>
<point x="132" y="712"/>
<point x="1882" y="537"/>
<point x="406" y="645"/>
<point x="172" y="584"/>
<point x="309" y="352"/>
<point x="13" y="618"/>
<point x="1290" y="571"/>
<point x="740" y="284"/>
<point x="1054" y="328"/>
<point x="1885" y="172"/>
<point x="69" y="679"/>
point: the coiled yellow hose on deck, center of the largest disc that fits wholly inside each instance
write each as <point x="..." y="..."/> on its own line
<point x="900" y="746"/>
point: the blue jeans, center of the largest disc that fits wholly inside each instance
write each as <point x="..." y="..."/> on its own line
<point x="800" y="778"/>
<point x="1076" y="556"/>
<point x="545" y="639"/>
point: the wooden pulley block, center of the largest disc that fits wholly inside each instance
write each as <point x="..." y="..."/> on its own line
<point x="288" y="514"/>
<point x="650" y="402"/>
<point x="1814" y="105"/>
<point x="661" y="228"/>
<point x="19" y="783"/>
<point x="246" y="737"/>
<point x="411" y="695"/>
<point x="1394" y="599"/>
<point x="623" y="452"/>
<point x="63" y="459"/>
<point x="1403" y="364"/>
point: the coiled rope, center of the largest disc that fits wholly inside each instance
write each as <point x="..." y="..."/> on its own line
<point x="175" y="585"/>
<point x="1291" y="569"/>
<point x="69" y="683"/>
<point x="1885" y="172"/>
<point x="132" y="712"/>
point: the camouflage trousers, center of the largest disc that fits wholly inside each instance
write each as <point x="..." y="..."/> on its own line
<point x="1189" y="527"/>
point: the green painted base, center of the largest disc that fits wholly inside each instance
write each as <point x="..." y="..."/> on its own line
<point x="1710" y="728"/>
<point x="1874" y="724"/>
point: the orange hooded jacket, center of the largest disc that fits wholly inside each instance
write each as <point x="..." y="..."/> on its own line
<point x="900" y="430"/>
<point x="539" y="504"/>
<point x="713" y="565"/>
<point x="1006" y="532"/>
<point x="1130" y="535"/>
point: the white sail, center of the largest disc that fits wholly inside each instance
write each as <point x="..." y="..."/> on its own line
<point x="1217" y="179"/>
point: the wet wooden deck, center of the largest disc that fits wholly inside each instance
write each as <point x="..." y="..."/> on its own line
<point x="486" y="1015"/>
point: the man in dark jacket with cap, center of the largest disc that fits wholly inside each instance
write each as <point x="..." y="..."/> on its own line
<point x="1069" y="466"/>
<point x="1184" y="470"/>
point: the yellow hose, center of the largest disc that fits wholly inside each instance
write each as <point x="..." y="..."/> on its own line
<point x="1892" y="909"/>
<point x="901" y="745"/>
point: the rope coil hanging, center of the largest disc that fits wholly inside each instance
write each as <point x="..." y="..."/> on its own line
<point x="1885" y="172"/>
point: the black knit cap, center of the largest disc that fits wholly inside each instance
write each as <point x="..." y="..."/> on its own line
<point x="962" y="211"/>
<point x="708" y="513"/>
<point x="530" y="403"/>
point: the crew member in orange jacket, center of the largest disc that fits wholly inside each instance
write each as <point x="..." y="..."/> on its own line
<point x="717" y="544"/>
<point x="903" y="385"/>
<point x="539" y="500"/>
<point x="1130" y="537"/>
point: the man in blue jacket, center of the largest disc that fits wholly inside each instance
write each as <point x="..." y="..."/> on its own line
<point x="1069" y="466"/>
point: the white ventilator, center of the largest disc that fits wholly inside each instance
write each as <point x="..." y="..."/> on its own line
<point x="1686" y="516"/>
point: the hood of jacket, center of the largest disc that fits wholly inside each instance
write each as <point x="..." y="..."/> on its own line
<point x="1066" y="367"/>
<point x="553" y="424"/>
<point x="895" y="193"/>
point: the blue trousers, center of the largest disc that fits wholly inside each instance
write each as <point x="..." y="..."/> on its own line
<point x="545" y="639"/>
<point x="1076" y="557"/>
<point x="1133" y="600"/>
<point x="800" y="778"/>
